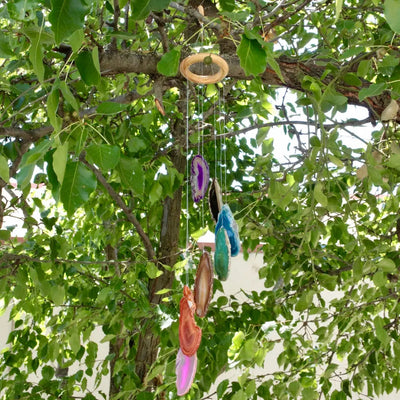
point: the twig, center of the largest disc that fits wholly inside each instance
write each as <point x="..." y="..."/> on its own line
<point x="118" y="200"/>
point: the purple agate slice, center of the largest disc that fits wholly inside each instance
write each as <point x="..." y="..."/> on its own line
<point x="185" y="372"/>
<point x="199" y="178"/>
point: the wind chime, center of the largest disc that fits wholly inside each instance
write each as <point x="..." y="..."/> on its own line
<point x="227" y="241"/>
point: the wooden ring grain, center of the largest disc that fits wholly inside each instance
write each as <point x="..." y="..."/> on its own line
<point x="206" y="79"/>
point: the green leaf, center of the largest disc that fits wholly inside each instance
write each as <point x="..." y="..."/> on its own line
<point x="251" y="389"/>
<point x="77" y="186"/>
<point x="374" y="89"/>
<point x="319" y="195"/>
<point x="5" y="234"/>
<point x="272" y="61"/>
<point x="227" y="5"/>
<point x="392" y="14"/>
<point x="131" y="174"/>
<point x="309" y="393"/>
<point x="21" y="10"/>
<point x="380" y="330"/>
<point x="66" y="92"/>
<point x="280" y="194"/>
<point x="394" y="161"/>
<point x="66" y="17"/>
<point x="110" y="107"/>
<point x="104" y="156"/>
<point x="169" y="63"/>
<point x="222" y="388"/>
<point x="60" y="161"/>
<point x="152" y="271"/>
<point x="332" y="97"/>
<point x="364" y="67"/>
<point x="239" y="395"/>
<point x="52" y="107"/>
<point x="76" y="40"/>
<point x="305" y="301"/>
<point x="141" y="8"/>
<point x="253" y="58"/>
<point x="36" y="153"/>
<point x="4" y="169"/>
<point x="74" y="341"/>
<point x="24" y="176"/>
<point x="294" y="388"/>
<point x="36" y="56"/>
<point x="379" y="279"/>
<point x="248" y="350"/>
<point x="243" y="378"/>
<point x="87" y="68"/>
<point x="57" y="295"/>
<point x="47" y="372"/>
<point x="387" y="265"/>
<point x="5" y="48"/>
<point x="155" y="192"/>
<point x="96" y="59"/>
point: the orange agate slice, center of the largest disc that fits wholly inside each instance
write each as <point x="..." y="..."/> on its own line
<point x="189" y="332"/>
<point x="203" y="285"/>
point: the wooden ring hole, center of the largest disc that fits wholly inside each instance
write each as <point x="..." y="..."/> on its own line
<point x="199" y="58"/>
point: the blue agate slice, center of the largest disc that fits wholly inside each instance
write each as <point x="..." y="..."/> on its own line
<point x="226" y="220"/>
<point x="222" y="256"/>
<point x="199" y="177"/>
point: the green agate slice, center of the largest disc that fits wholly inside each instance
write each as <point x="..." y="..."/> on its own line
<point x="222" y="257"/>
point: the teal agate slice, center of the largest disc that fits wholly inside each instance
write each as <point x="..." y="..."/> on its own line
<point x="222" y="257"/>
<point x="226" y="220"/>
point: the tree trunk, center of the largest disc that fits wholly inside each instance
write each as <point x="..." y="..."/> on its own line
<point x="147" y="348"/>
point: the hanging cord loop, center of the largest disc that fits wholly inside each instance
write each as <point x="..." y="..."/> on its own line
<point x="208" y="59"/>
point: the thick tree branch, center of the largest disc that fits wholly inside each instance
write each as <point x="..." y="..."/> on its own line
<point x="293" y="71"/>
<point x="128" y="213"/>
<point x="31" y="136"/>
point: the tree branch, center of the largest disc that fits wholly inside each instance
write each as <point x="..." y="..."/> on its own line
<point x="118" y="200"/>
<point x="293" y="71"/>
<point x="31" y="135"/>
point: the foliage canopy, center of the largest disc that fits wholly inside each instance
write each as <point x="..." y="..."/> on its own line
<point x="94" y="114"/>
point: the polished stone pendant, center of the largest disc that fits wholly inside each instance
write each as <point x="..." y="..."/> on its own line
<point x="189" y="332"/>
<point x="222" y="257"/>
<point x="199" y="178"/>
<point x="215" y="199"/>
<point x="185" y="369"/>
<point x="203" y="285"/>
<point x="226" y="220"/>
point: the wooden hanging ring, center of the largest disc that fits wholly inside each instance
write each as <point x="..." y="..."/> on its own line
<point x="206" y="79"/>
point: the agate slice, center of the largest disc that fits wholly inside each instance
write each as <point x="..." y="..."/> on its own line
<point x="203" y="285"/>
<point x="199" y="178"/>
<point x="215" y="199"/>
<point x="222" y="257"/>
<point x="226" y="220"/>
<point x="189" y="332"/>
<point x="185" y="371"/>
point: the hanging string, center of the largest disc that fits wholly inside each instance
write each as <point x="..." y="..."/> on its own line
<point x="187" y="183"/>
<point x="225" y="147"/>
<point x="215" y="138"/>
<point x="221" y="132"/>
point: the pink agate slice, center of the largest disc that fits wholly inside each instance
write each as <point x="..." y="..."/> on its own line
<point x="185" y="372"/>
<point x="199" y="178"/>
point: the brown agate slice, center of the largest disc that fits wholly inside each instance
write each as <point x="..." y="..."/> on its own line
<point x="203" y="285"/>
<point x="189" y="332"/>
<point x="215" y="199"/>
